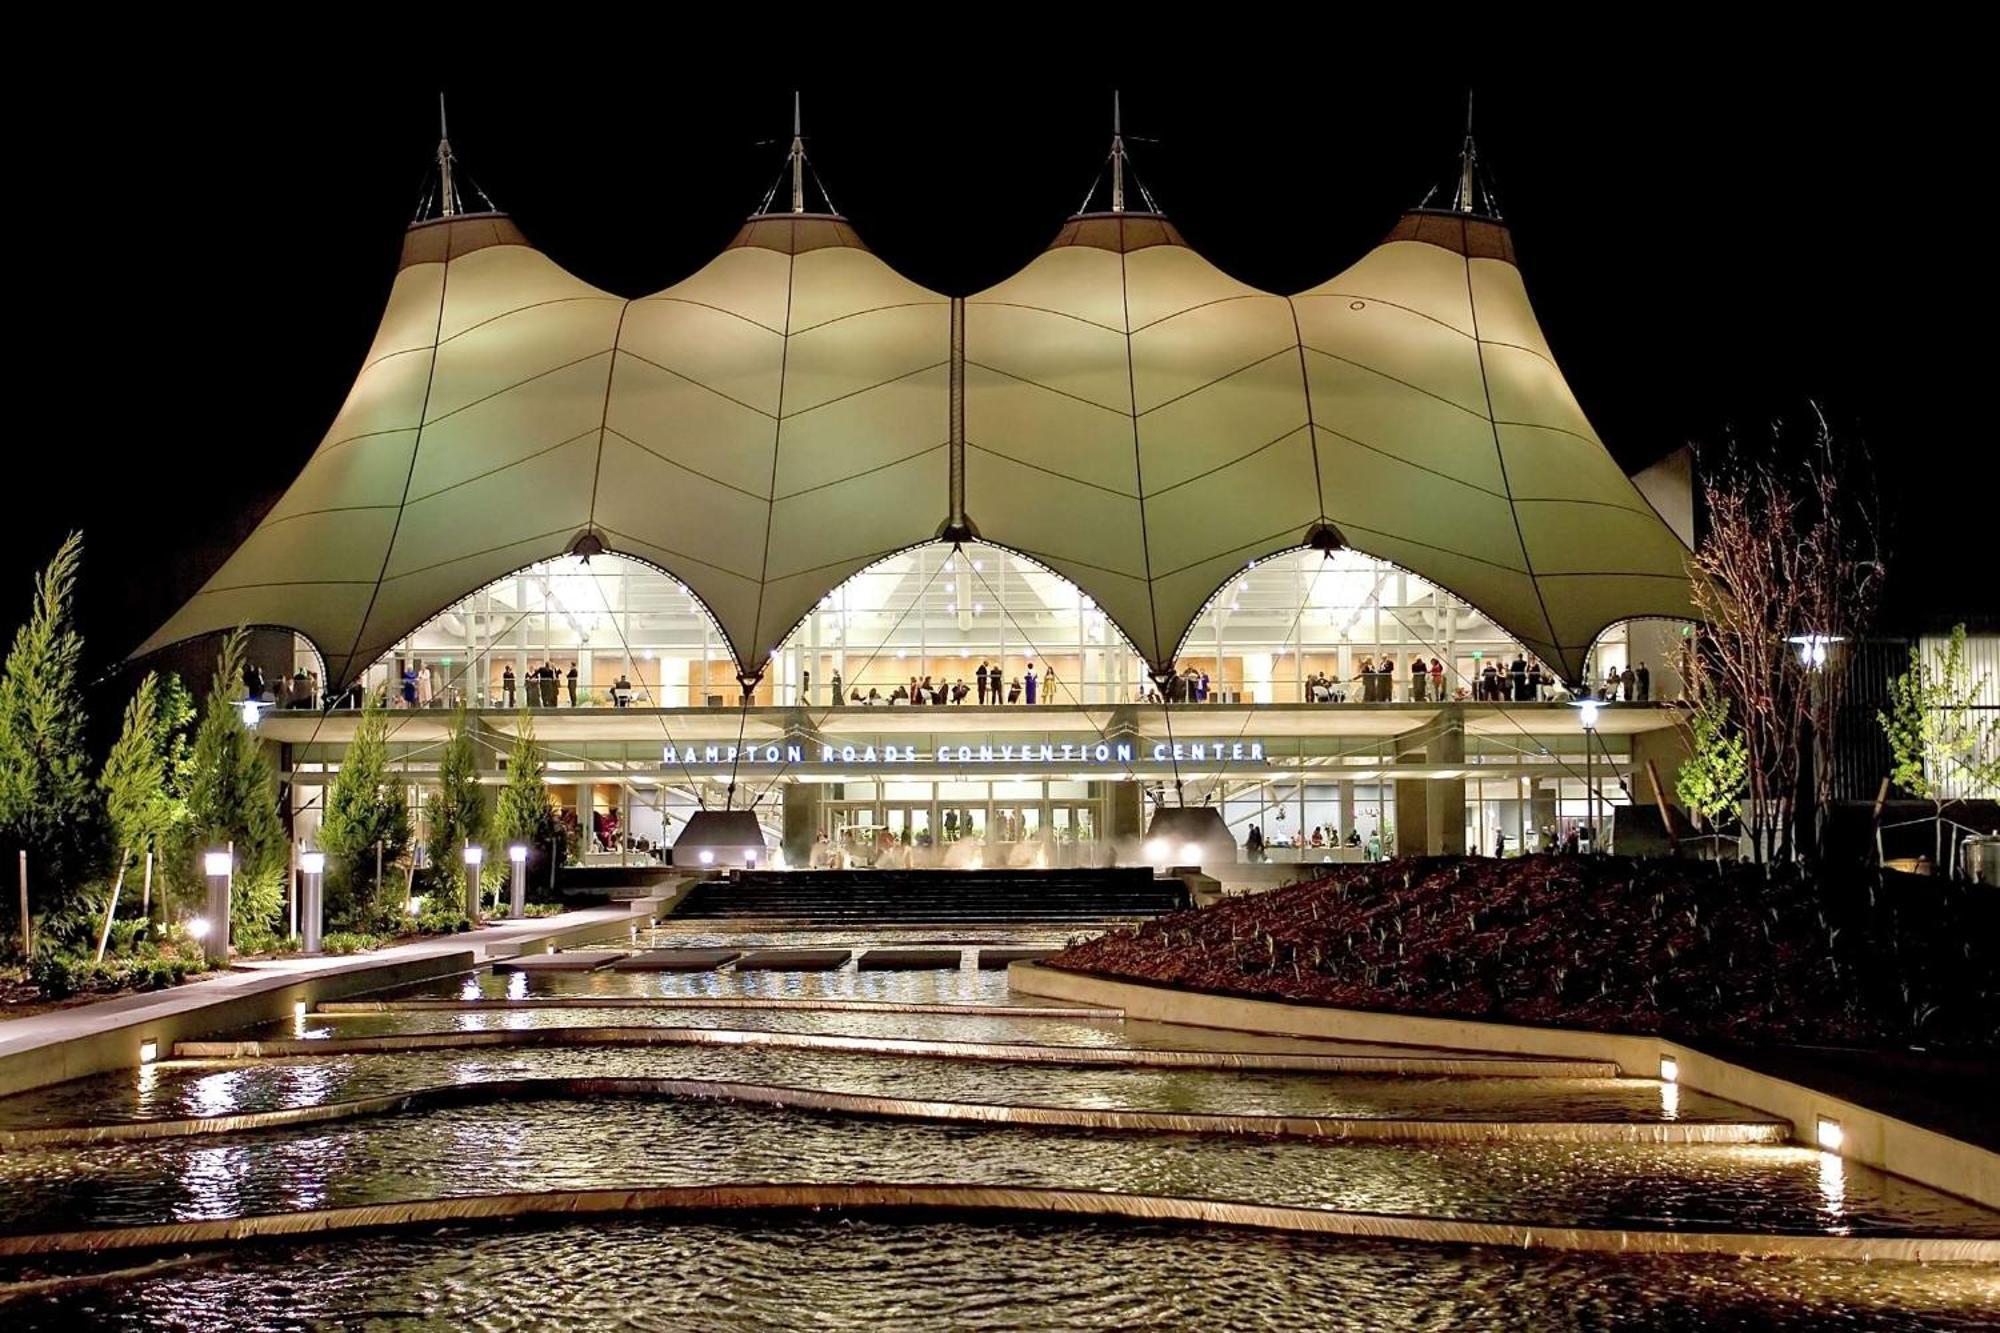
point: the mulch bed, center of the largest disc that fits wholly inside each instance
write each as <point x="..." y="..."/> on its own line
<point x="1682" y="948"/>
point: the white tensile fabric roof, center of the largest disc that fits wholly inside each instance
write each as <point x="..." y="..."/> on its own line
<point x="1125" y="413"/>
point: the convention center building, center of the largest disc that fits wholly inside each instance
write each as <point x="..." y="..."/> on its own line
<point x="997" y="574"/>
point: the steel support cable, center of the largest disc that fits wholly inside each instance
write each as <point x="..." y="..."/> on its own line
<point x="866" y="662"/>
<point x="1295" y="628"/>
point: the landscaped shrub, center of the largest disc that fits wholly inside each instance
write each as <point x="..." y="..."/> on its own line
<point x="61" y="975"/>
<point x="348" y="941"/>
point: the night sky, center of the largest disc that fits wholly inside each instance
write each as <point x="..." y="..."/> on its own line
<point x="1708" y="248"/>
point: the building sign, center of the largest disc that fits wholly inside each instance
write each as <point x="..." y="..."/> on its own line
<point x="1110" y="754"/>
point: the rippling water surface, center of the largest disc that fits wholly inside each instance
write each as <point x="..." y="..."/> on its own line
<point x="649" y="1274"/>
<point x="789" y="1271"/>
<point x="620" y="1142"/>
<point x="175" y="1090"/>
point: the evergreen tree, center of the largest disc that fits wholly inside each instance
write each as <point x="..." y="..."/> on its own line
<point x="232" y="797"/>
<point x="364" y="806"/>
<point x="48" y="803"/>
<point x="524" y="814"/>
<point x="457" y="812"/>
<point x="141" y="804"/>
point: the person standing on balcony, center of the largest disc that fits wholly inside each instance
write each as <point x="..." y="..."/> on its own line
<point x="1645" y="683"/>
<point x="507" y="685"/>
<point x="1029" y="681"/>
<point x="1627" y="683"/>
<point x="1437" y="680"/>
<point x="1420" y="677"/>
<point x="837" y="699"/>
<point x="571" y="678"/>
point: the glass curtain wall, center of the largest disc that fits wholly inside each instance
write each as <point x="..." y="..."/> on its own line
<point x="1299" y="627"/>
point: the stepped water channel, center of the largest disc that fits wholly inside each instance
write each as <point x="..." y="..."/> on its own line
<point x="726" y="1124"/>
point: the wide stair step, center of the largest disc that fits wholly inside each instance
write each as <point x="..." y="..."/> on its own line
<point x="849" y="897"/>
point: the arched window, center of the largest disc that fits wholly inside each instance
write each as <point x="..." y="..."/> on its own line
<point x="611" y="618"/>
<point x="1300" y="626"/>
<point x="942" y="611"/>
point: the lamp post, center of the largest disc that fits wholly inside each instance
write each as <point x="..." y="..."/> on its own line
<point x="312" y="910"/>
<point x="518" y="900"/>
<point x="214" y="928"/>
<point x="1587" y="713"/>
<point x="1815" y="649"/>
<point x="473" y="856"/>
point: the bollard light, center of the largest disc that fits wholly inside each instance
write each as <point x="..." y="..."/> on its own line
<point x="312" y="916"/>
<point x="215" y="864"/>
<point x="517" y="905"/>
<point x="198" y="928"/>
<point x="473" y="856"/>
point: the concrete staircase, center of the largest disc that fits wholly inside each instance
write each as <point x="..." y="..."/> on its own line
<point x="875" y="897"/>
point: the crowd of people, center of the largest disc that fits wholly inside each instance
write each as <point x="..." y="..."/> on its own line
<point x="990" y="685"/>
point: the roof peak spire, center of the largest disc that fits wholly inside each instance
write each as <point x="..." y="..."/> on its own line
<point x="798" y="170"/>
<point x="446" y="197"/>
<point x="1119" y="162"/>
<point x="1472" y="190"/>
<point x="1117" y="153"/>
<point x="448" y="202"/>
<point x="798" y="156"/>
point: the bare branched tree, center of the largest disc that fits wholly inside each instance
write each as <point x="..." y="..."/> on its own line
<point x="1790" y="554"/>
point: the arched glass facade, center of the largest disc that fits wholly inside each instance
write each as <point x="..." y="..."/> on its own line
<point x="1299" y="627"/>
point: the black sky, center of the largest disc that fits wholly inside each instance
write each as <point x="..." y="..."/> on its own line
<point x="1708" y="246"/>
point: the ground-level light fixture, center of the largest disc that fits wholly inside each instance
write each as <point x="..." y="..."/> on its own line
<point x="149" y="1051"/>
<point x="215" y="863"/>
<point x="721" y="838"/>
<point x="1670" y="1069"/>
<point x="1189" y="835"/>
<point x="313" y="863"/>
<point x="1828" y="1133"/>
<point x="474" y="855"/>
<point x="517" y="853"/>
<point x="198" y="928"/>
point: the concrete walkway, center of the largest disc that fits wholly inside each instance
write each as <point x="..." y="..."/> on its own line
<point x="91" y="1038"/>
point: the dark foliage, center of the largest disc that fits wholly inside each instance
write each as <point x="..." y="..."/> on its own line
<point x="1682" y="948"/>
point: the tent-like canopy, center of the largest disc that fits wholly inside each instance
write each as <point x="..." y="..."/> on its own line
<point x="1120" y="410"/>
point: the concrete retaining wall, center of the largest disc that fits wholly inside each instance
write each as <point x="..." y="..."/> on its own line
<point x="1869" y="1137"/>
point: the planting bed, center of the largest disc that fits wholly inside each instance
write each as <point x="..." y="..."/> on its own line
<point x="1682" y="948"/>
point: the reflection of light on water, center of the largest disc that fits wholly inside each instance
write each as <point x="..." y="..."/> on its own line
<point x="1833" y="1190"/>
<point x="309" y="1083"/>
<point x="211" y="1177"/>
<point x="217" y="1094"/>
<point x="149" y="1086"/>
<point x="1670" y="1101"/>
<point x="470" y="990"/>
<point x="517" y="986"/>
